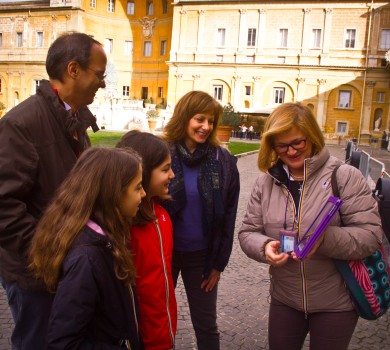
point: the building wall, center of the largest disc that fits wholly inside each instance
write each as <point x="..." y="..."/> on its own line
<point x="313" y="74"/>
<point x="248" y="76"/>
<point x="20" y="67"/>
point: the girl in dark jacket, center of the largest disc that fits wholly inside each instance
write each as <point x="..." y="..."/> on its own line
<point x="152" y="243"/>
<point x="203" y="210"/>
<point x="81" y="252"/>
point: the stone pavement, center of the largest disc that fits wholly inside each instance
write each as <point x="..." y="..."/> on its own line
<point x="243" y="295"/>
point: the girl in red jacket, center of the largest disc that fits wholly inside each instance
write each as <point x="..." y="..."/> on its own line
<point x="152" y="243"/>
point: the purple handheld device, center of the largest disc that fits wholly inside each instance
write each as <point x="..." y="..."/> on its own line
<point x="317" y="227"/>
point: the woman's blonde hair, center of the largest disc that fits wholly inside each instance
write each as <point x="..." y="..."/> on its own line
<point x="93" y="190"/>
<point x="192" y="103"/>
<point x="281" y="120"/>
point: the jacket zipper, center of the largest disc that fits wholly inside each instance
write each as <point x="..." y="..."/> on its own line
<point x="127" y="342"/>
<point x="166" y="284"/>
<point x="301" y="263"/>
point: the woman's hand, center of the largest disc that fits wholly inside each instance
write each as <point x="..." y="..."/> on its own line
<point x="272" y="255"/>
<point x="209" y="283"/>
<point x="312" y="250"/>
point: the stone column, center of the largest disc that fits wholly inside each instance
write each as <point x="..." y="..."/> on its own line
<point x="388" y="118"/>
<point x="201" y="25"/>
<point x="26" y="44"/>
<point x="8" y="91"/>
<point x="195" y="81"/>
<point x="53" y="28"/>
<point x="178" y="78"/>
<point x="183" y="28"/>
<point x="375" y="33"/>
<point x="179" y="27"/>
<point x="199" y="53"/>
<point x="306" y="30"/>
<point x="68" y="24"/>
<point x="321" y="107"/>
<point x="24" y="88"/>
<point x="256" y="92"/>
<point x="12" y="31"/>
<point x="236" y="83"/>
<point x="365" y="127"/>
<point x="327" y="30"/>
<point x="243" y="31"/>
<point x="300" y="88"/>
<point x="261" y="32"/>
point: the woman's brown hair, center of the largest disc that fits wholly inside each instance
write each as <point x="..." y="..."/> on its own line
<point x="153" y="151"/>
<point x="93" y="190"/>
<point x="281" y="120"/>
<point x="192" y="103"/>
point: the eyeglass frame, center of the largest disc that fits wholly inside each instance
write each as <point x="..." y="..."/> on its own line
<point x="291" y="144"/>
<point x="99" y="75"/>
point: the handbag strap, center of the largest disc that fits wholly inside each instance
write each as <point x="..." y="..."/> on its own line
<point x="362" y="306"/>
<point x="335" y="187"/>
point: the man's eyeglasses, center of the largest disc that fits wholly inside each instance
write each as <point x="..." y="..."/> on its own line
<point x="101" y="76"/>
<point x="296" y="144"/>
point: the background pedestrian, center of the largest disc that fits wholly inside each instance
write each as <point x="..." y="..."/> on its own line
<point x="244" y="129"/>
<point x="384" y="141"/>
<point x="250" y="132"/>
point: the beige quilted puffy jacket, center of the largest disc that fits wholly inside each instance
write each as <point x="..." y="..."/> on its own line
<point x="315" y="284"/>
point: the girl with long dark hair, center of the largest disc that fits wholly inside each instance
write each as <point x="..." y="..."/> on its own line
<point x="81" y="252"/>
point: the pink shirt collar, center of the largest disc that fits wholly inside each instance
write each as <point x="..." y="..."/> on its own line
<point x="94" y="226"/>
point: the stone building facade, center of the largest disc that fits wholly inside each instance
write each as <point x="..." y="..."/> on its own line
<point x="253" y="54"/>
<point x="135" y="33"/>
<point x="258" y="54"/>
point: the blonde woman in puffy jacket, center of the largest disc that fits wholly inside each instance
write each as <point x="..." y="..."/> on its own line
<point x="306" y="296"/>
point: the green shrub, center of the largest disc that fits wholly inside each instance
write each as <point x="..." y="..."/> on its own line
<point x="230" y="117"/>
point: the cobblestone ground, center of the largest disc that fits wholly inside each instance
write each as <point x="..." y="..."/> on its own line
<point x="243" y="296"/>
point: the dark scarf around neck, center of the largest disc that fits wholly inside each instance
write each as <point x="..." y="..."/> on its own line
<point x="209" y="180"/>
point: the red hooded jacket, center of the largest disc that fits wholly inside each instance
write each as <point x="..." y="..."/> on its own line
<point x="152" y="247"/>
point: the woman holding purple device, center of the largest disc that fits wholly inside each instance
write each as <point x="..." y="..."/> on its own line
<point x="308" y="295"/>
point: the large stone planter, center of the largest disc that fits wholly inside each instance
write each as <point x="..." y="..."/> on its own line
<point x="224" y="133"/>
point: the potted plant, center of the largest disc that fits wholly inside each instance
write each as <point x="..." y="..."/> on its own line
<point x="147" y="102"/>
<point x="2" y="108"/>
<point x="230" y="119"/>
<point x="160" y="106"/>
<point x="152" y="116"/>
